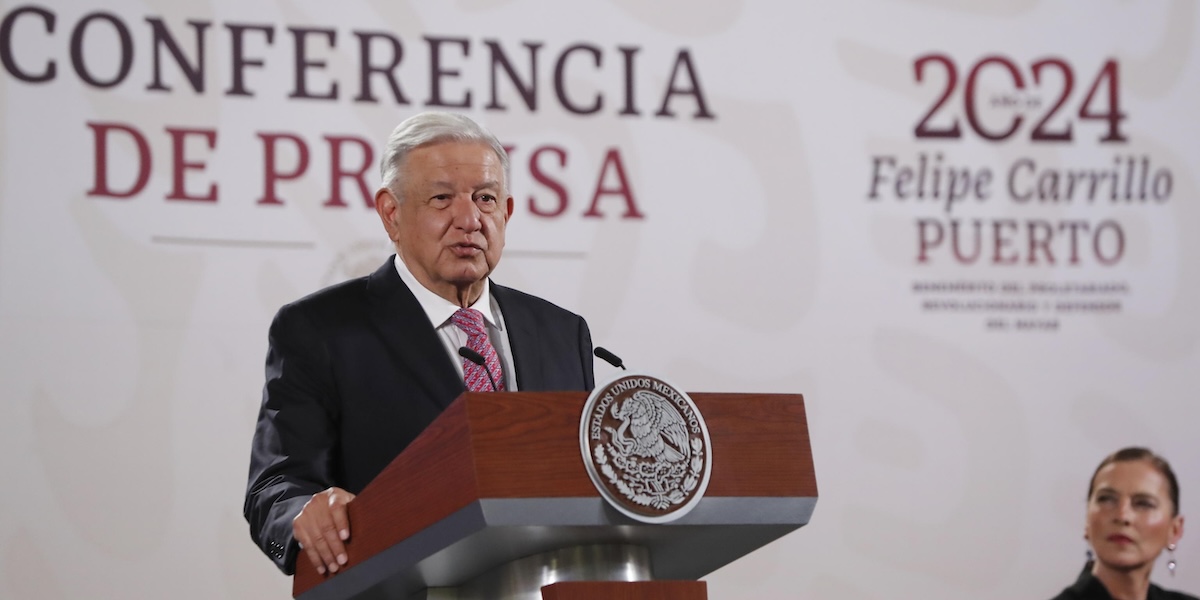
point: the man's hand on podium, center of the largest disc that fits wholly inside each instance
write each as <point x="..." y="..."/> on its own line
<point x="323" y="527"/>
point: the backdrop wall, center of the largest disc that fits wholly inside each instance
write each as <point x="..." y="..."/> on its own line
<point x="959" y="228"/>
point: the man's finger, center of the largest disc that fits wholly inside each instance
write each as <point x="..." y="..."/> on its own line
<point x="313" y="557"/>
<point x="337" y="551"/>
<point x="321" y="528"/>
<point x="326" y="554"/>
<point x="341" y="516"/>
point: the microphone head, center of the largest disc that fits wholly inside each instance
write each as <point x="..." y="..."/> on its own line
<point x="608" y="357"/>
<point x="477" y="358"/>
<point x="471" y="355"/>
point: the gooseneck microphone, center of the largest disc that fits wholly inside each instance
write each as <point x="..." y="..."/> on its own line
<point x="609" y="357"/>
<point x="477" y="358"/>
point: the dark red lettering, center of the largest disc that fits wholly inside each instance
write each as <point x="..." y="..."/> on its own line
<point x="539" y="175"/>
<point x="179" y="165"/>
<point x="271" y="172"/>
<point x="337" y="173"/>
<point x="613" y="159"/>
<point x="924" y="241"/>
<point x="100" y="185"/>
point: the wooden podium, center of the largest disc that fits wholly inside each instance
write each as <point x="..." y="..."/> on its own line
<point x="497" y="481"/>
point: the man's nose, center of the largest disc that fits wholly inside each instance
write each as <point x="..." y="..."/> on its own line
<point x="465" y="213"/>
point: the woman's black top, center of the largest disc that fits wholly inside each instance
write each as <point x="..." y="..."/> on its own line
<point x="1087" y="587"/>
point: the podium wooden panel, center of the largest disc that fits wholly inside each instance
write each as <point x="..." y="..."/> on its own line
<point x="499" y="476"/>
<point x="626" y="590"/>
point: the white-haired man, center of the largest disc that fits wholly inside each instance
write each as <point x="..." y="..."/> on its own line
<point x="356" y="371"/>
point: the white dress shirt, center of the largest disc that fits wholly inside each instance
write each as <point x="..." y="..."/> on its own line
<point x="440" y="311"/>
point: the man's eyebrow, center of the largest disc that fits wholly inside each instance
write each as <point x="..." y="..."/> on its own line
<point x="491" y="183"/>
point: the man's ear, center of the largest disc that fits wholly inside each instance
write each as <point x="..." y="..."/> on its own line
<point x="508" y="209"/>
<point x="388" y="209"/>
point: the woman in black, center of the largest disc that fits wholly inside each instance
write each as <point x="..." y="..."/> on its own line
<point x="1132" y="516"/>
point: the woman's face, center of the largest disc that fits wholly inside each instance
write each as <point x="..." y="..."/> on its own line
<point x="1129" y="516"/>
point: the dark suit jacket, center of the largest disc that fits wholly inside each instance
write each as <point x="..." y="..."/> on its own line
<point x="356" y="371"/>
<point x="1087" y="587"/>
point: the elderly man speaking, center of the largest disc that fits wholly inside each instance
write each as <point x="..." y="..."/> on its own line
<point x="356" y="371"/>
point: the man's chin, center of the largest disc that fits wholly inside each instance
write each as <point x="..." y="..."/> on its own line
<point x="469" y="276"/>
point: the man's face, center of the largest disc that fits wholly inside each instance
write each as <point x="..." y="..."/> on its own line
<point x="448" y="224"/>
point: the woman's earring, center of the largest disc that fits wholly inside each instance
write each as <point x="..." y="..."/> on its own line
<point x="1171" y="559"/>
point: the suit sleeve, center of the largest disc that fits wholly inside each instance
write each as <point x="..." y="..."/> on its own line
<point x="296" y="435"/>
<point x="585" y="354"/>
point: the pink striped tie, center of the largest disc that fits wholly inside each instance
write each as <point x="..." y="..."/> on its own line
<point x="471" y="322"/>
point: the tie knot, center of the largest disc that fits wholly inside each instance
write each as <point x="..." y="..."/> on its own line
<point x="470" y="321"/>
<point x="488" y="376"/>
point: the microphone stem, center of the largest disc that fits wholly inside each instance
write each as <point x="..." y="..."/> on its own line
<point x="490" y="379"/>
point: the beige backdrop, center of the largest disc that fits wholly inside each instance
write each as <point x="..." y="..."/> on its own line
<point x="744" y="210"/>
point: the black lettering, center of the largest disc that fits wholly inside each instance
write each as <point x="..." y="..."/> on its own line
<point x="162" y="36"/>
<point x="366" y="68"/>
<point x="77" y="53"/>
<point x="683" y="61"/>
<point x="560" y="86"/>
<point x="240" y="62"/>
<point x="628" y="52"/>
<point x="6" y="51"/>
<point x="303" y="63"/>
<point x="437" y="73"/>
<point x="527" y="90"/>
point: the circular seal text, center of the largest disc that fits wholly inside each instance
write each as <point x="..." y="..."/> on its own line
<point x="646" y="448"/>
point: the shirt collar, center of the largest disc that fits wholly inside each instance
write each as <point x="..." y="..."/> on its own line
<point x="438" y="309"/>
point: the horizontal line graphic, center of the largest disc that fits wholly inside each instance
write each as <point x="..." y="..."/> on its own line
<point x="230" y="243"/>
<point x="545" y="254"/>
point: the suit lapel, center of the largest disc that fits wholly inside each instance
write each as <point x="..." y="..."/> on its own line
<point x="522" y="337"/>
<point x="407" y="332"/>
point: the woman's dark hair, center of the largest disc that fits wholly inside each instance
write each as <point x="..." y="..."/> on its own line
<point x="1135" y="453"/>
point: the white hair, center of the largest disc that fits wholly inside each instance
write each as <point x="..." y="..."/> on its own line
<point x="430" y="128"/>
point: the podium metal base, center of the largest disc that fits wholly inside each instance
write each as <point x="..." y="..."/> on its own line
<point x="524" y="578"/>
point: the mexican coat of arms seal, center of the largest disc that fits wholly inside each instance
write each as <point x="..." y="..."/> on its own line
<point x="646" y="448"/>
